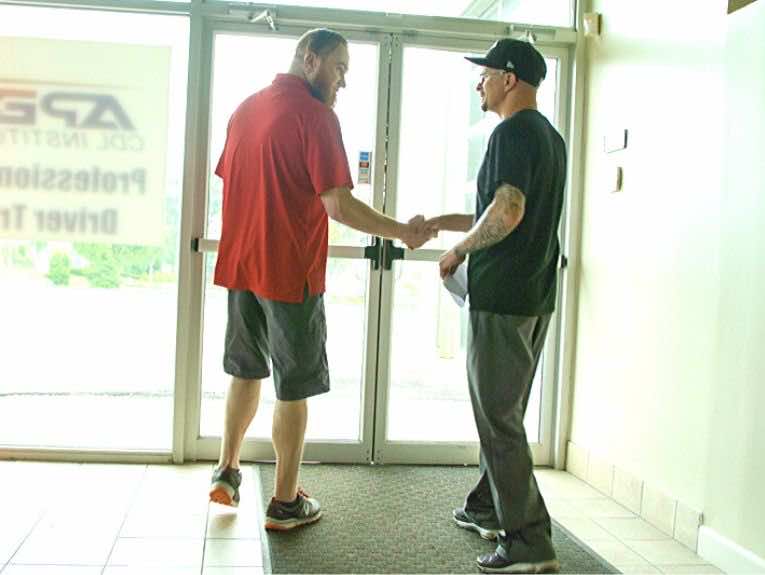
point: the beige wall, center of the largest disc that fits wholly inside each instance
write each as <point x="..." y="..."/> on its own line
<point x="735" y="488"/>
<point x="666" y="377"/>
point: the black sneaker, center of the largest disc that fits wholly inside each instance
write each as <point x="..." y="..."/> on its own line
<point x="281" y="516"/>
<point x="225" y="486"/>
<point x="529" y="554"/>
<point x="488" y="529"/>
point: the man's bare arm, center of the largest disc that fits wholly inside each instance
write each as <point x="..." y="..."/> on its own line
<point x="454" y="222"/>
<point x="501" y="217"/>
<point x="343" y="207"/>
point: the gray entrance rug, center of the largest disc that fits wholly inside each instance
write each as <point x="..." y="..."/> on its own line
<point x="392" y="519"/>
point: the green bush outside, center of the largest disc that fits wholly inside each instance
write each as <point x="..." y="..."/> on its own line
<point x="59" y="269"/>
<point x="103" y="271"/>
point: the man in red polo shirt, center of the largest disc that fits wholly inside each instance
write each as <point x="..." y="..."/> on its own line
<point x="284" y="171"/>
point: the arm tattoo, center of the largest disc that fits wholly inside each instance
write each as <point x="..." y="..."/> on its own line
<point x="493" y="227"/>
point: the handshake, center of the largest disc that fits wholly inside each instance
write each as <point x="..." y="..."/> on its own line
<point x="418" y="230"/>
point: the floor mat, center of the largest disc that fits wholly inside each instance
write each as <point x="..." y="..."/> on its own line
<point x="393" y="519"/>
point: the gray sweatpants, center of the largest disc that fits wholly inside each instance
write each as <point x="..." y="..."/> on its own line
<point x="502" y="357"/>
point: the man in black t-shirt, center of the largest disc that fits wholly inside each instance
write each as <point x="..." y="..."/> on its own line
<point x="513" y="244"/>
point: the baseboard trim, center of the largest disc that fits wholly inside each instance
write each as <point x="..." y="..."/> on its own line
<point x="726" y="554"/>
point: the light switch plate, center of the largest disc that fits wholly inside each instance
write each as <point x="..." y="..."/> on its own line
<point x="615" y="140"/>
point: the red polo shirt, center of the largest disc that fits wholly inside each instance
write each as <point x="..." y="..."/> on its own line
<point x="283" y="149"/>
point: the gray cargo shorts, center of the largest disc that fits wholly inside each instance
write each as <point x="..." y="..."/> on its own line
<point x="292" y="336"/>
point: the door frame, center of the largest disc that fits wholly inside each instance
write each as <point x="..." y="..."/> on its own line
<point x="372" y="444"/>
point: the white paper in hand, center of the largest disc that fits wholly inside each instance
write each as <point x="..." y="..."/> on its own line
<point x="457" y="284"/>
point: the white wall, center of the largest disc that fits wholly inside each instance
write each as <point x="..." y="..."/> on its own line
<point x="667" y="378"/>
<point x="734" y="493"/>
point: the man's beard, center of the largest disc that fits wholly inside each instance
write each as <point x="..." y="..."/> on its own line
<point x="317" y="93"/>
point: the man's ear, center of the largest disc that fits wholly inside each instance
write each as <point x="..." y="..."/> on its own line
<point x="310" y="61"/>
<point x="511" y="80"/>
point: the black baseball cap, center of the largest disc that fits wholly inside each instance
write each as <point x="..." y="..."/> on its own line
<point x="516" y="56"/>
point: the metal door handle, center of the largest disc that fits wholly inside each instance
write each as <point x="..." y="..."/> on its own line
<point x="391" y="253"/>
<point x="374" y="253"/>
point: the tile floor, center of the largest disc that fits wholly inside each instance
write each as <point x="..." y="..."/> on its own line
<point x="62" y="518"/>
<point x="614" y="532"/>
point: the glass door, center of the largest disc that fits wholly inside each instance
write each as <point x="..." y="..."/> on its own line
<point x="339" y="423"/>
<point x="439" y="138"/>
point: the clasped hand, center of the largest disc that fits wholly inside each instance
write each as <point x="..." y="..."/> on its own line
<point x="418" y="231"/>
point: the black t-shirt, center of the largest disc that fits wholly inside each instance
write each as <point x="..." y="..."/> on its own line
<point x="517" y="276"/>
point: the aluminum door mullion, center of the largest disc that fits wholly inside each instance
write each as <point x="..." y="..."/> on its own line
<point x="381" y="143"/>
<point x="551" y="430"/>
<point x="374" y="287"/>
<point x="389" y="208"/>
<point x="571" y="242"/>
<point x="191" y="265"/>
